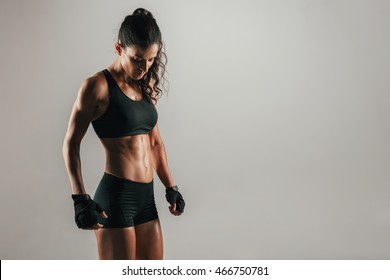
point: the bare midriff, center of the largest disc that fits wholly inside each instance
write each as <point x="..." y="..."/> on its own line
<point x="129" y="157"/>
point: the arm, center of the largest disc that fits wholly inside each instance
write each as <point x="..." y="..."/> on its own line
<point x="159" y="157"/>
<point x="160" y="165"/>
<point x="82" y="113"/>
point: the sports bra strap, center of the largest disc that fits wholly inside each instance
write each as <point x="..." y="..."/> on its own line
<point x="110" y="80"/>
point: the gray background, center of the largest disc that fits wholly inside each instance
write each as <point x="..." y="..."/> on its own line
<point x="276" y="126"/>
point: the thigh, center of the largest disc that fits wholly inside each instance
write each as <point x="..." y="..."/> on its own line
<point x="116" y="243"/>
<point x="149" y="241"/>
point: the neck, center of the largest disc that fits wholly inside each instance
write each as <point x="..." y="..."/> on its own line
<point x="121" y="73"/>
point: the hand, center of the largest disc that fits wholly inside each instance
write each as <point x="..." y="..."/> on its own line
<point x="173" y="210"/>
<point x="86" y="211"/>
<point x="176" y="200"/>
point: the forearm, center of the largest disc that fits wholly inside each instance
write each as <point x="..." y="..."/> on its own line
<point x="71" y="154"/>
<point x="160" y="164"/>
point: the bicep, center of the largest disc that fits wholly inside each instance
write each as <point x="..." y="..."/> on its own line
<point x="83" y="111"/>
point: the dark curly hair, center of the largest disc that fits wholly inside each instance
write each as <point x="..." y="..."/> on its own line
<point x="140" y="29"/>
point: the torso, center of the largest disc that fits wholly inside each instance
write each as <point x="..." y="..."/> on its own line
<point x="127" y="157"/>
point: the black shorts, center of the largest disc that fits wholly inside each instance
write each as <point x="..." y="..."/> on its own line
<point x="126" y="203"/>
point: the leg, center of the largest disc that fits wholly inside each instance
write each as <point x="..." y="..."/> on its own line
<point x="116" y="243"/>
<point x="149" y="241"/>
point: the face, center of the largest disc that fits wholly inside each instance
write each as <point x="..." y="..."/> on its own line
<point x="136" y="61"/>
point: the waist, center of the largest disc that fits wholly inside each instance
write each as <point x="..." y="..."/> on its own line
<point x="115" y="180"/>
<point x="129" y="157"/>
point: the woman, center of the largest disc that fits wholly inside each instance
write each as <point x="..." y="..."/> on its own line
<point x="120" y="103"/>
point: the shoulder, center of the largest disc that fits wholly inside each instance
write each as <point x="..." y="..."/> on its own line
<point x="93" y="91"/>
<point x="96" y="85"/>
<point x="94" y="88"/>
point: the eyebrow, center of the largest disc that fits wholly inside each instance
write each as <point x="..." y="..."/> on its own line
<point x="140" y="56"/>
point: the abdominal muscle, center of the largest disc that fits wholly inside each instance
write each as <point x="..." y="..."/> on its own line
<point x="129" y="157"/>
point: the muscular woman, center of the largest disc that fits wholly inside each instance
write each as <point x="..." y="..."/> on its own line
<point x="120" y="103"/>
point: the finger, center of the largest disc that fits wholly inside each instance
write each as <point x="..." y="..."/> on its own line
<point x="176" y="213"/>
<point x="98" y="208"/>
<point x="97" y="226"/>
<point x="172" y="211"/>
<point x="104" y="215"/>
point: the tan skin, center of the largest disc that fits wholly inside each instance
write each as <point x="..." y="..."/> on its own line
<point x="130" y="157"/>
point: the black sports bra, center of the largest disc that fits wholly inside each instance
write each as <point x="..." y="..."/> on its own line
<point x="124" y="116"/>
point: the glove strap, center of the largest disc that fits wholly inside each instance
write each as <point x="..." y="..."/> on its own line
<point x="175" y="188"/>
<point x="80" y="197"/>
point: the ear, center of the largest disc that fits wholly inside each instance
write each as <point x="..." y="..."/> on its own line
<point x="118" y="48"/>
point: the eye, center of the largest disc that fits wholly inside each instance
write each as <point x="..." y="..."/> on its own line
<point x="137" y="59"/>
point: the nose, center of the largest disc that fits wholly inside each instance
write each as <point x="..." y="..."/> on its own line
<point x="144" y="66"/>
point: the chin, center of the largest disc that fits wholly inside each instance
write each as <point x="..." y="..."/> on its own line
<point x="137" y="76"/>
